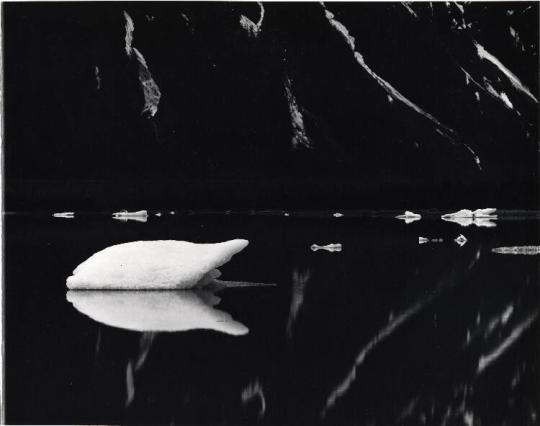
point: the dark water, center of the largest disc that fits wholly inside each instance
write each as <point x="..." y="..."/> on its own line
<point x="385" y="332"/>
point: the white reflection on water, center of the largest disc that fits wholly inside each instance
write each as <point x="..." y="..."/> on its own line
<point x="160" y="311"/>
<point x="486" y="360"/>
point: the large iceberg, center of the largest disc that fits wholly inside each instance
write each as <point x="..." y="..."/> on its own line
<point x="159" y="311"/>
<point x="154" y="265"/>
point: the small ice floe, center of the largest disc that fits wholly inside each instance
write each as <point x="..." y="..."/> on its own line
<point x="124" y="215"/>
<point x="424" y="240"/>
<point x="286" y="214"/>
<point x="478" y="217"/>
<point x="65" y="215"/>
<point x="523" y="250"/>
<point x="329" y="247"/>
<point x="157" y="311"/>
<point x="337" y="214"/>
<point x="409" y="217"/>
<point x="158" y="214"/>
<point x="172" y="212"/>
<point x="461" y="240"/>
<point x="154" y="265"/>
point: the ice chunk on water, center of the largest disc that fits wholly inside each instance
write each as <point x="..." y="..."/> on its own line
<point x="158" y="311"/>
<point x="423" y="240"/>
<point x="524" y="250"/>
<point x="461" y="240"/>
<point x="328" y="247"/>
<point x="150" y="265"/>
<point x="409" y="217"/>
<point x="124" y="215"/>
<point x="65" y="215"/>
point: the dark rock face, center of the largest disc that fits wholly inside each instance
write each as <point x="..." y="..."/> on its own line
<point x="390" y="103"/>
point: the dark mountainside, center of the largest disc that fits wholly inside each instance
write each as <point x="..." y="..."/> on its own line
<point x="216" y="105"/>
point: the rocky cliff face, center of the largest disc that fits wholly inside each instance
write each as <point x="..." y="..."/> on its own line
<point x="414" y="98"/>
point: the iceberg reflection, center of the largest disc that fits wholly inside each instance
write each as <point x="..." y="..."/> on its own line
<point x="159" y="311"/>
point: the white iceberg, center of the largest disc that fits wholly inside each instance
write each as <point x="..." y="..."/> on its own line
<point x="124" y="215"/>
<point x="337" y="214"/>
<point x="409" y="217"/>
<point x="154" y="265"/>
<point x="156" y="311"/>
<point x="423" y="240"/>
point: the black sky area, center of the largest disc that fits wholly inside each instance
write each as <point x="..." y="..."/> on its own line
<point x="75" y="137"/>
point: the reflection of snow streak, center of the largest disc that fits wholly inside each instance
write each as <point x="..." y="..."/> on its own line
<point x="134" y="366"/>
<point x="299" y="281"/>
<point x="255" y="391"/>
<point x="397" y="322"/>
<point x="151" y="91"/>
<point x="486" y="360"/>
<point x="442" y="129"/>
<point x="484" y="54"/>
<point x="297" y="119"/>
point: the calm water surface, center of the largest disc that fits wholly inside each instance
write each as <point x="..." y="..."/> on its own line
<point x="386" y="331"/>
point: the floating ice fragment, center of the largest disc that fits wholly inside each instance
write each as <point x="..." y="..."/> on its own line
<point x="153" y="265"/>
<point x="409" y="217"/>
<point x="423" y="240"/>
<point x="329" y="247"/>
<point x="65" y="215"/>
<point x="461" y="240"/>
<point x="338" y="215"/>
<point x="524" y="250"/>
<point x="158" y="214"/>
<point x="159" y="311"/>
<point x="124" y="215"/>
